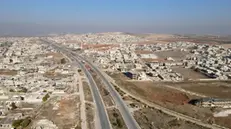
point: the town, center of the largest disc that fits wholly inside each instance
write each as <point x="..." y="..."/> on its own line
<point x="141" y="61"/>
<point x="40" y="79"/>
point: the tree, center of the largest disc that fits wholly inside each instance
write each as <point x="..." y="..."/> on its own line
<point x="22" y="123"/>
<point x="115" y="114"/>
<point x="22" y="98"/>
<point x="11" y="90"/>
<point x="13" y="106"/>
<point x="119" y="124"/>
<point x="17" y="123"/>
<point x="25" y="122"/>
<point x="23" y="89"/>
<point x="63" y="61"/>
<point x="11" y="61"/>
<point x="46" y="97"/>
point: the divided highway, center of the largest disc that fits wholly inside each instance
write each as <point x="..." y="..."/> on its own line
<point x="127" y="116"/>
<point x="102" y="116"/>
<point x="124" y="111"/>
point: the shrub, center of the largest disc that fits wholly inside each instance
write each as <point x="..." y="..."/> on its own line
<point x="12" y="90"/>
<point x="63" y="61"/>
<point x="115" y="114"/>
<point x="13" y="106"/>
<point x="23" y="89"/>
<point x="119" y="124"/>
<point x="23" y="123"/>
<point x="17" y="123"/>
<point x="46" y="97"/>
<point x="22" y="98"/>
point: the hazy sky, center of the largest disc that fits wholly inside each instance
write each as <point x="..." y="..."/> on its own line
<point x="28" y="17"/>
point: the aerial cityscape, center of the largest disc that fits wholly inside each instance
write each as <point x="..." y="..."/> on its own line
<point x="64" y="78"/>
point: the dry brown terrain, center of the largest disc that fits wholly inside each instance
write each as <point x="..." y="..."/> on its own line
<point x="153" y="60"/>
<point x="87" y="92"/>
<point x="54" y="55"/>
<point x="175" y="54"/>
<point x="151" y="91"/>
<point x="143" y="52"/>
<point x="160" y="38"/>
<point x="226" y="45"/>
<point x="90" y="113"/>
<point x="156" y="38"/>
<point x="200" y="39"/>
<point x="151" y="118"/>
<point x="64" y="113"/>
<point x="116" y="119"/>
<point x="189" y="73"/>
<point x="169" y="98"/>
<point x="52" y="74"/>
<point x="99" y="46"/>
<point x="195" y="39"/>
<point x="8" y="72"/>
<point x="208" y="39"/>
<point x="212" y="89"/>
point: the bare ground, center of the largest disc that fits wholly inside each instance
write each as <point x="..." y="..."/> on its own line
<point x="189" y="73"/>
<point x="150" y="118"/>
<point x="8" y="72"/>
<point x="116" y="119"/>
<point x="87" y="92"/>
<point x="170" y="98"/>
<point x="65" y="113"/>
<point x="155" y="119"/>
<point x="211" y="89"/>
<point x="90" y="113"/>
<point x="175" y="54"/>
<point x="226" y="45"/>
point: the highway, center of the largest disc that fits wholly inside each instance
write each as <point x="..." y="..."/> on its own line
<point x="124" y="111"/>
<point x="101" y="112"/>
<point x="128" y="118"/>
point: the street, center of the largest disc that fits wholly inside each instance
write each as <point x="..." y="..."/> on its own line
<point x="101" y="113"/>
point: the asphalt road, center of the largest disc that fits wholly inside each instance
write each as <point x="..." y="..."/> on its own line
<point x="128" y="118"/>
<point x="104" y="121"/>
<point x="100" y="108"/>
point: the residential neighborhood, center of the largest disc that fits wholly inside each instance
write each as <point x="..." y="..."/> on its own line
<point x="64" y="75"/>
<point x="30" y="73"/>
<point x="143" y="59"/>
<point x="119" y="64"/>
